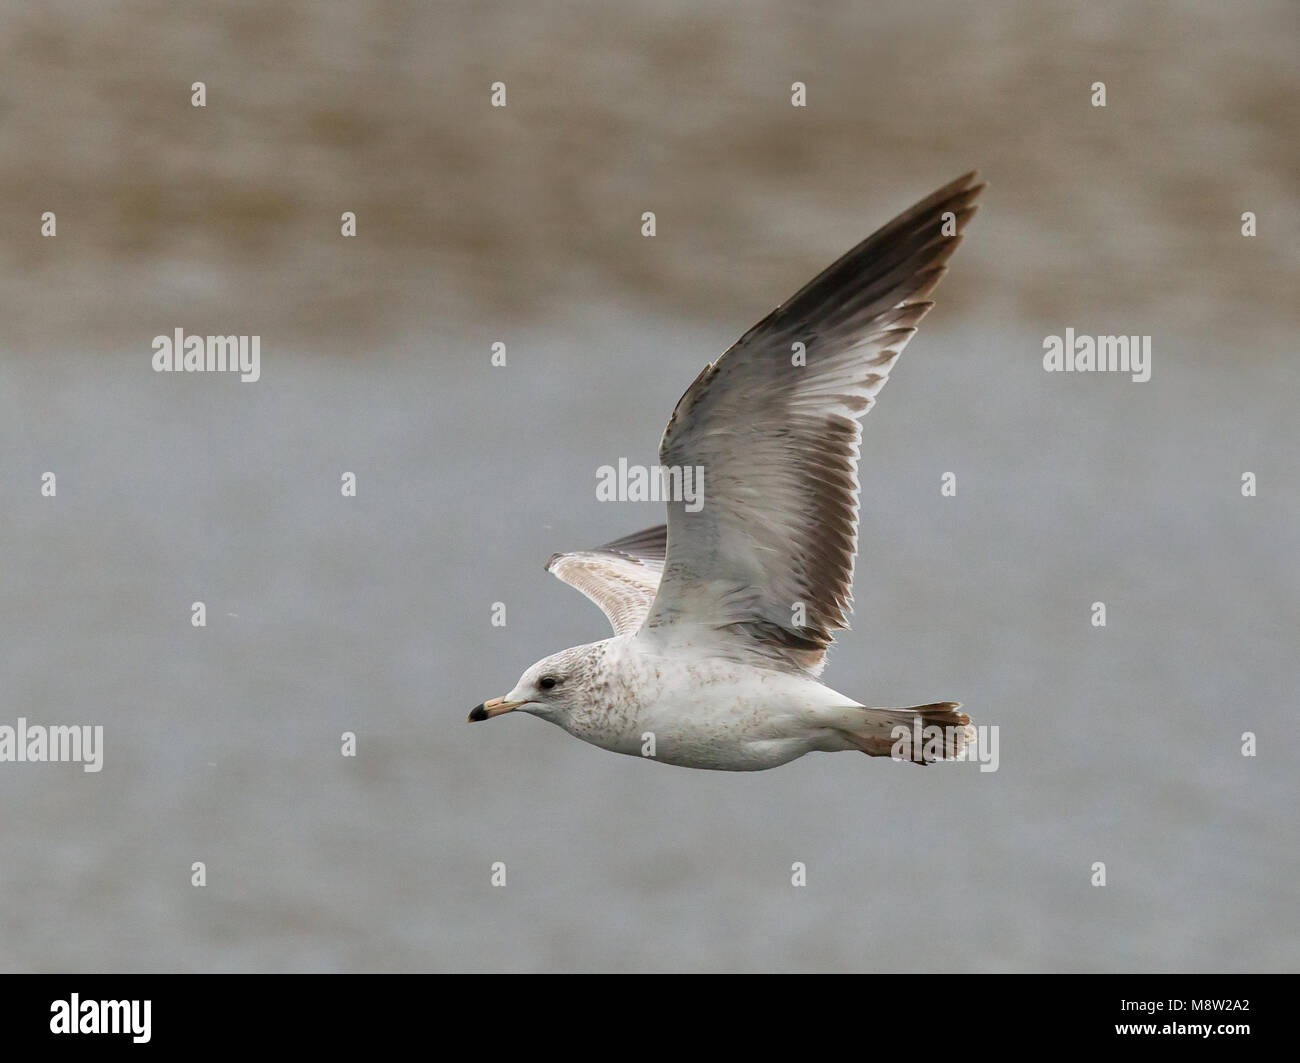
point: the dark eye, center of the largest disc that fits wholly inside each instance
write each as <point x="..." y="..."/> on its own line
<point x="547" y="682"/>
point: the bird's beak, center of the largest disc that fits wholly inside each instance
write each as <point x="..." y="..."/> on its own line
<point x="495" y="707"/>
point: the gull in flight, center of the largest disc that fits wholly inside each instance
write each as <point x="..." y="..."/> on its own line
<point x="723" y="616"/>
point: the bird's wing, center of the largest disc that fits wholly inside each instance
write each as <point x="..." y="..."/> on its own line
<point x="621" y="577"/>
<point x="765" y="563"/>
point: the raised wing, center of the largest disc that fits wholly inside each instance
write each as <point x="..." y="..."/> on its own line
<point x="621" y="577"/>
<point x="766" y="563"/>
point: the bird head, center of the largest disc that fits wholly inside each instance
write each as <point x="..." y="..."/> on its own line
<point x="548" y="689"/>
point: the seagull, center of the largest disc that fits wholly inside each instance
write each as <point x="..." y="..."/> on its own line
<point x="723" y="616"/>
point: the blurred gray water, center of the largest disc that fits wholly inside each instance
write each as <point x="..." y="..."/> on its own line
<point x="371" y="614"/>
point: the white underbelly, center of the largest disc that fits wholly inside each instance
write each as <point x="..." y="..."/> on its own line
<point x="731" y="719"/>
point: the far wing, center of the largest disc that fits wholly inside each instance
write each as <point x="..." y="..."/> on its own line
<point x="621" y="577"/>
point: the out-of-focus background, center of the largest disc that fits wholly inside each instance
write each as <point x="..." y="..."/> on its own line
<point x="523" y="225"/>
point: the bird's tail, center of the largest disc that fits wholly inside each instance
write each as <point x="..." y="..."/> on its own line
<point x="921" y="734"/>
